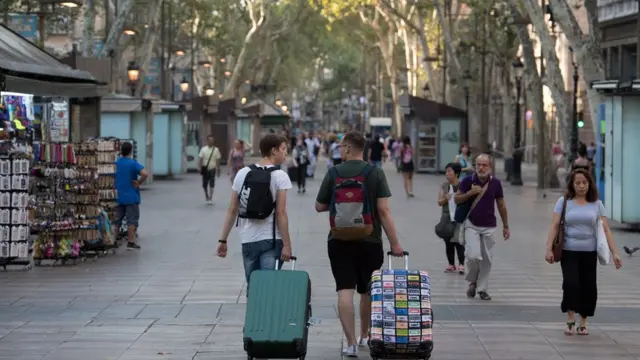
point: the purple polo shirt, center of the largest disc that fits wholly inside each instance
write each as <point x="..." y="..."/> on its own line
<point x="484" y="214"/>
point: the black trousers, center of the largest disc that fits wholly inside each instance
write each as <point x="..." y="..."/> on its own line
<point x="579" y="288"/>
<point x="302" y="176"/>
<point x="451" y="249"/>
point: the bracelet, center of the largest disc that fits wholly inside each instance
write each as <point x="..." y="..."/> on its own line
<point x="222" y="241"/>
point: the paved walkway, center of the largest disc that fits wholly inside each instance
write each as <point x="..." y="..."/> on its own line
<point x="176" y="300"/>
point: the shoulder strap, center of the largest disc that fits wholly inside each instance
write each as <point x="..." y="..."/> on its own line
<point x="477" y="199"/>
<point x="253" y="167"/>
<point x="564" y="210"/>
<point x="271" y="169"/>
<point x="367" y="170"/>
<point x="210" y="156"/>
<point x="333" y="172"/>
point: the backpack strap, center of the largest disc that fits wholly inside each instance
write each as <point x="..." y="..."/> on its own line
<point x="367" y="170"/>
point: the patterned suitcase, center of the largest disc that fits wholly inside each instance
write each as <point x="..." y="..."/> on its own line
<point x="401" y="315"/>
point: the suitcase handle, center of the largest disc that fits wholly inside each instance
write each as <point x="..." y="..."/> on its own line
<point x="405" y="255"/>
<point x="293" y="262"/>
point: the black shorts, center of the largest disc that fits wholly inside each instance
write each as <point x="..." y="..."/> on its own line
<point x="407" y="167"/>
<point x="209" y="179"/>
<point x="352" y="263"/>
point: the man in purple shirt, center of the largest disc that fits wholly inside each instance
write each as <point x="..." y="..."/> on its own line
<point x="481" y="223"/>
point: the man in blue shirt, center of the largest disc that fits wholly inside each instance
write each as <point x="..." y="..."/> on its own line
<point x="129" y="175"/>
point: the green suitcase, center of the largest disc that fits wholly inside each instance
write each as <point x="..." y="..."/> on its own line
<point x="278" y="311"/>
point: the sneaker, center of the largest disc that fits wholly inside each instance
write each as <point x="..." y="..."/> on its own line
<point x="133" y="246"/>
<point x="461" y="270"/>
<point x="471" y="291"/>
<point x="450" y="269"/>
<point x="363" y="341"/>
<point x="209" y="202"/>
<point x="350" y="351"/>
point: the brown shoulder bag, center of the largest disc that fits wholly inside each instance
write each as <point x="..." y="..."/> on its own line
<point x="558" y="241"/>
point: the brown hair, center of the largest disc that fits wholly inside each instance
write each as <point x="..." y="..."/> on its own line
<point x="355" y="139"/>
<point x="592" y="192"/>
<point x="269" y="142"/>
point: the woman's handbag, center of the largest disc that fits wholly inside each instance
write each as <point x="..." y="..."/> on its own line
<point x="602" y="245"/>
<point x="558" y="241"/>
<point x="446" y="227"/>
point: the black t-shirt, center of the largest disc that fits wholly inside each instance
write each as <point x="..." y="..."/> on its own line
<point x="376" y="151"/>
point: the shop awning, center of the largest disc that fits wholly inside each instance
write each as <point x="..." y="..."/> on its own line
<point x="30" y="70"/>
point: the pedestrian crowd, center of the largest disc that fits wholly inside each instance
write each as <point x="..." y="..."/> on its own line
<point x="355" y="193"/>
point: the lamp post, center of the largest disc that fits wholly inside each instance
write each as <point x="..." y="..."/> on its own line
<point x="184" y="87"/>
<point x="574" y="122"/>
<point x="466" y="77"/>
<point x="70" y="4"/>
<point x="516" y="173"/>
<point x="133" y="74"/>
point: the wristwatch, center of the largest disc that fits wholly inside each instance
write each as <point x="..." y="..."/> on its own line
<point x="222" y="241"/>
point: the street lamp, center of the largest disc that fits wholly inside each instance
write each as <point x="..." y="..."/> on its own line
<point x="574" y="122"/>
<point x="466" y="77"/>
<point x="184" y="87"/>
<point x="180" y="52"/>
<point x="208" y="90"/>
<point x="70" y="3"/>
<point x="205" y="63"/>
<point x="243" y="100"/>
<point x="133" y="74"/>
<point x="129" y="32"/>
<point x="516" y="173"/>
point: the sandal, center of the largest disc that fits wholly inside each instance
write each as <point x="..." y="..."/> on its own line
<point x="582" y="330"/>
<point x="570" y="327"/>
<point x="450" y="269"/>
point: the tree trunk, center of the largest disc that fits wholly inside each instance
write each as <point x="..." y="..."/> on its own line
<point x="422" y="37"/>
<point x="146" y="51"/>
<point x="88" y="30"/>
<point x="117" y="27"/>
<point x="387" y="47"/>
<point x="553" y="76"/>
<point x="407" y="58"/>
<point x="504" y="87"/>
<point x="586" y="48"/>
<point x="457" y="72"/>
<point x="257" y="14"/>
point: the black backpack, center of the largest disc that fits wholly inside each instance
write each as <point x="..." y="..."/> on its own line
<point x="255" y="197"/>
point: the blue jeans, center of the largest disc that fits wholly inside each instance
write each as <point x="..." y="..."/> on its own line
<point x="260" y="255"/>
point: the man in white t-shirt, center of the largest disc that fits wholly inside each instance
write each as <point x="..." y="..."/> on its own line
<point x="263" y="241"/>
<point x="208" y="163"/>
<point x="313" y="147"/>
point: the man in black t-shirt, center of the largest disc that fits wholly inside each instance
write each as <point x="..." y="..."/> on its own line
<point x="367" y="143"/>
<point x="376" y="148"/>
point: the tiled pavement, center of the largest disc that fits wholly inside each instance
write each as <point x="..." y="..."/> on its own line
<point x="176" y="300"/>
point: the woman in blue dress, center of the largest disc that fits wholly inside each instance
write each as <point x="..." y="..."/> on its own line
<point x="464" y="160"/>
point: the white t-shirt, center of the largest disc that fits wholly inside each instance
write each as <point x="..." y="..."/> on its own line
<point x="252" y="230"/>
<point x="209" y="152"/>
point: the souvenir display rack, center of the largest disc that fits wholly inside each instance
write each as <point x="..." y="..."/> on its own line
<point x="57" y="182"/>
<point x="87" y="201"/>
<point x="107" y="150"/>
<point x="14" y="214"/>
